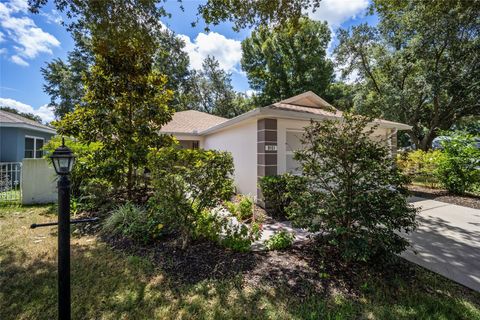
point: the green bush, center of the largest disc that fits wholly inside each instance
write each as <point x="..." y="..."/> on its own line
<point x="87" y="166"/>
<point x="242" y="208"/>
<point x="459" y="169"/>
<point x="277" y="191"/>
<point x="188" y="182"/>
<point x="133" y="222"/>
<point x="239" y="237"/>
<point x="280" y="240"/>
<point x="421" y="166"/>
<point x="355" y="194"/>
<point x="220" y="226"/>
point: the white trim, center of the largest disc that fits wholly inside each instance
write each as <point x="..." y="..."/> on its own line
<point x="34" y="146"/>
<point x="26" y="126"/>
<point x="295" y="115"/>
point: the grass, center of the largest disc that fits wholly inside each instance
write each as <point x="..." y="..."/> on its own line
<point x="107" y="284"/>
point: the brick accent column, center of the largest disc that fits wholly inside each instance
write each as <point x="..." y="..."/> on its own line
<point x="393" y="143"/>
<point x="266" y="151"/>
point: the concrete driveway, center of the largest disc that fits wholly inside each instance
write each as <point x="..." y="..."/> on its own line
<point x="447" y="241"/>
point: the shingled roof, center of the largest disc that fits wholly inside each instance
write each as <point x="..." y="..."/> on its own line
<point x="8" y="119"/>
<point x="191" y="122"/>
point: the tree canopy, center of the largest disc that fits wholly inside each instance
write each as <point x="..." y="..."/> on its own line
<point x="419" y="66"/>
<point x="126" y="98"/>
<point x="288" y="60"/>
<point x="212" y="91"/>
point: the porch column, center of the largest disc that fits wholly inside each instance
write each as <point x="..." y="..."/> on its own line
<point x="393" y="143"/>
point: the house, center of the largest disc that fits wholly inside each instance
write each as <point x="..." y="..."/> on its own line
<point x="262" y="141"/>
<point x="21" y="137"/>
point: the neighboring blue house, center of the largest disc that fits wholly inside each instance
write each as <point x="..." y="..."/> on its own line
<point x="21" y="137"/>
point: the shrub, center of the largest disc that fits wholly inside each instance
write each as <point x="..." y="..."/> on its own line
<point x="243" y="208"/>
<point x="239" y="236"/>
<point x="277" y="192"/>
<point x="280" y="240"/>
<point x="133" y="222"/>
<point x="421" y="166"/>
<point x="459" y="169"/>
<point x="220" y="226"/>
<point x="355" y="193"/>
<point x="186" y="183"/>
<point x="86" y="166"/>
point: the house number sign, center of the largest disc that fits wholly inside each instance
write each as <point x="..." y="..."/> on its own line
<point x="270" y="148"/>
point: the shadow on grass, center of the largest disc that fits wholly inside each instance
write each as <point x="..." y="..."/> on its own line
<point x="157" y="284"/>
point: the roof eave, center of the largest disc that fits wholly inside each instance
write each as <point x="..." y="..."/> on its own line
<point x="177" y="133"/>
<point x="289" y="114"/>
<point x="232" y="121"/>
<point x="26" y="126"/>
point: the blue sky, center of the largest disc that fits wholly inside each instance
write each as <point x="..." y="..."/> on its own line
<point x="28" y="42"/>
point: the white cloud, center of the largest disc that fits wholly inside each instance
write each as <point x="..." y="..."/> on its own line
<point x="335" y="12"/>
<point x="16" y="59"/>
<point x="228" y="52"/>
<point x="29" y="39"/>
<point x="43" y="112"/>
<point x="52" y="17"/>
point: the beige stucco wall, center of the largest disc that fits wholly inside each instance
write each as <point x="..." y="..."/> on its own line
<point x="38" y="182"/>
<point x="241" y="141"/>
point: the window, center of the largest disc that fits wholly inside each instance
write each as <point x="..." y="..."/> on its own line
<point x="33" y="147"/>
<point x="294" y="143"/>
<point x="189" y="144"/>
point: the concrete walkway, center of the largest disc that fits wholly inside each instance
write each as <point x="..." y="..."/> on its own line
<point x="447" y="241"/>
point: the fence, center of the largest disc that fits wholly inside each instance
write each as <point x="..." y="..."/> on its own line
<point x="38" y="182"/>
<point x="10" y="182"/>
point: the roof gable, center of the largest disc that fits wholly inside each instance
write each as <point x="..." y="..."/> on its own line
<point x="309" y="99"/>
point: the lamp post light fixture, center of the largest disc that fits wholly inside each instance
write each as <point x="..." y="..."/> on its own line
<point x="63" y="160"/>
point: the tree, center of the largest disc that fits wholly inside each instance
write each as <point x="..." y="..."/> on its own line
<point x="288" y="60"/>
<point x="30" y="116"/>
<point x="352" y="190"/>
<point x="250" y="13"/>
<point x="212" y="91"/>
<point x="418" y="66"/>
<point x="125" y="101"/>
<point x="64" y="81"/>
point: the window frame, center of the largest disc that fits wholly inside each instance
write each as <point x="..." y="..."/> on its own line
<point x="35" y="138"/>
<point x="291" y="152"/>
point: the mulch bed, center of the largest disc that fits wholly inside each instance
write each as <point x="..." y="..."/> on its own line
<point x="443" y="196"/>
<point x="301" y="269"/>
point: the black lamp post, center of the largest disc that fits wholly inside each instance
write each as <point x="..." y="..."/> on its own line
<point x="63" y="160"/>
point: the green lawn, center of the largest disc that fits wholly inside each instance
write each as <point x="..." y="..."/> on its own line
<point x="107" y="284"/>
